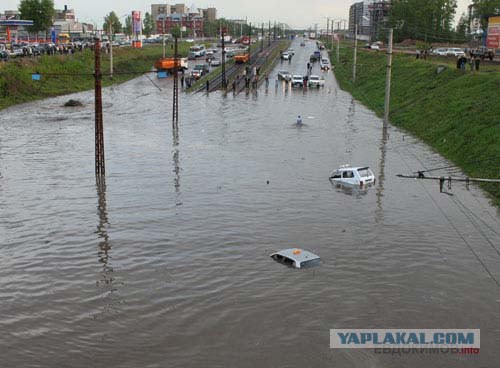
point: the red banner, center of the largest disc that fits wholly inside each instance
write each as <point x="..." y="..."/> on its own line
<point x="493" y="42"/>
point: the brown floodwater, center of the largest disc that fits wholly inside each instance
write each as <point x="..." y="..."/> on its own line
<point x="168" y="265"/>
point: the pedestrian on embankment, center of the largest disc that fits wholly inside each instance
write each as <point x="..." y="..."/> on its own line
<point x="477" y="62"/>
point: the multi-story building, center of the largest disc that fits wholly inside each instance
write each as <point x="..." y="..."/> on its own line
<point x="474" y="26"/>
<point x="193" y="24"/>
<point x="178" y="9"/>
<point x="157" y="10"/>
<point x="379" y="18"/>
<point x="179" y="15"/>
<point x="209" y="14"/>
<point x="10" y="14"/>
<point x="65" y="15"/>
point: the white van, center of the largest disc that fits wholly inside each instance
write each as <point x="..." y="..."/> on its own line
<point x="197" y="51"/>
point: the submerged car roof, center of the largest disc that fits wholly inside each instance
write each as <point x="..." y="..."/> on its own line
<point x="299" y="256"/>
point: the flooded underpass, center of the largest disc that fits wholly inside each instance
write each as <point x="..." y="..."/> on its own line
<point x="168" y="265"/>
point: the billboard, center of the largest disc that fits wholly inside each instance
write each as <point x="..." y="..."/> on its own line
<point x="136" y="22"/>
<point x="493" y="38"/>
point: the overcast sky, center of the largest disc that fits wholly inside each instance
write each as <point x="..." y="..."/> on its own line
<point x="303" y="13"/>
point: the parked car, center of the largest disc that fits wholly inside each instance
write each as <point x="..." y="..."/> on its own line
<point x="215" y="62"/>
<point x="316" y="81"/>
<point x="374" y="46"/>
<point x="291" y="52"/>
<point x="297" y="81"/>
<point x="199" y="71"/>
<point x="4" y="55"/>
<point x="440" y="52"/>
<point x="455" y="51"/>
<point x="484" y="53"/>
<point x="284" y="75"/>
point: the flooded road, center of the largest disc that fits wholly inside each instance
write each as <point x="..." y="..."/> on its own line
<point x="168" y="265"/>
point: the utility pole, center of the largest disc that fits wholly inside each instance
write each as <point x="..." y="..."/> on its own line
<point x="223" y="66"/>
<point x="355" y="58"/>
<point x="99" y="129"/>
<point x="110" y="50"/>
<point x="338" y="43"/>
<point x="262" y="35"/>
<point x="327" y="26"/>
<point x="269" y="35"/>
<point x="388" y="79"/>
<point x="164" y="46"/>
<point x="175" y="110"/>
<point x="274" y="31"/>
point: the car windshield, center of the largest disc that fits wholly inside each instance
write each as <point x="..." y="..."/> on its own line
<point x="365" y="172"/>
<point x="314" y="78"/>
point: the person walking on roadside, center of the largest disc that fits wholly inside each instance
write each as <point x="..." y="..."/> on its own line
<point x="477" y="61"/>
<point x="472" y="63"/>
<point x="463" y="62"/>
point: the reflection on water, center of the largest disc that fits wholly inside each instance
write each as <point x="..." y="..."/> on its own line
<point x="379" y="213"/>
<point x="106" y="277"/>
<point x="177" y="169"/>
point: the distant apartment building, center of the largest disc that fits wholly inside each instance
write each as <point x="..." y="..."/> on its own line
<point x="10" y="14"/>
<point x="371" y="18"/>
<point x="379" y="18"/>
<point x="65" y="22"/>
<point x="356" y="12"/>
<point x="474" y="27"/>
<point x="167" y="16"/>
<point x="209" y="14"/>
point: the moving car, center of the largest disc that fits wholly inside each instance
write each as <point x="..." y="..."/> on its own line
<point x="324" y="64"/>
<point x="285" y="56"/>
<point x="302" y="43"/>
<point x="199" y="71"/>
<point x="316" y="81"/>
<point x="297" y="81"/>
<point x="284" y="75"/>
<point x="348" y="175"/>
<point x="315" y="57"/>
<point x="216" y="62"/>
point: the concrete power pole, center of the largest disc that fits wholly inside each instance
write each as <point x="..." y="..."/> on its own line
<point x="110" y="50"/>
<point x="355" y="58"/>
<point x="338" y="43"/>
<point x="388" y="79"/>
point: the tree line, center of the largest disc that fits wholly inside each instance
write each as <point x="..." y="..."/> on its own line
<point x="433" y="20"/>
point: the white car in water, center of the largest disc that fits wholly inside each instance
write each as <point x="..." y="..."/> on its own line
<point x="357" y="176"/>
<point x="324" y="64"/>
<point x="297" y="81"/>
<point x="316" y="81"/>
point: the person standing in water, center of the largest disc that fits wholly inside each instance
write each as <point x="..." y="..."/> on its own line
<point x="299" y="120"/>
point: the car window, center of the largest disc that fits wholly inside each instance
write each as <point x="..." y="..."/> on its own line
<point x="348" y="174"/>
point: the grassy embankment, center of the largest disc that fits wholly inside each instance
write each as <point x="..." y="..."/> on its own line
<point x="17" y="87"/>
<point x="456" y="113"/>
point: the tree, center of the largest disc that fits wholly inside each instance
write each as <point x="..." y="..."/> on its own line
<point x="41" y="12"/>
<point x="426" y="20"/>
<point x="115" y="23"/>
<point x="484" y="8"/>
<point x="128" y="26"/>
<point x="463" y="26"/>
<point x="148" y="24"/>
<point x="175" y="31"/>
